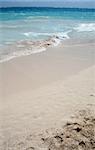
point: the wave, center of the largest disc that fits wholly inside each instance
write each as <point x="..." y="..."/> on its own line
<point x="38" y="47"/>
<point x="61" y="35"/>
<point x="85" y="27"/>
<point x="30" y="47"/>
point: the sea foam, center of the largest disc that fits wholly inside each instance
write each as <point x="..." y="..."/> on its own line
<point x="26" y="47"/>
<point x="61" y="35"/>
<point x="85" y="27"/>
<point x="21" y="53"/>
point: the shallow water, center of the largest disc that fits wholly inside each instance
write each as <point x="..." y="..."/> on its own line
<point x="17" y="24"/>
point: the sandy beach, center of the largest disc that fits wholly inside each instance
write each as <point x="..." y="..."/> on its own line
<point x="40" y="93"/>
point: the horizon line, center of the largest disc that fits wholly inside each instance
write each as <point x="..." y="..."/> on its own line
<point x="46" y="7"/>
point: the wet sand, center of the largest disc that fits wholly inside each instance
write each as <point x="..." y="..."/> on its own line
<point x="34" y="71"/>
<point x="42" y="92"/>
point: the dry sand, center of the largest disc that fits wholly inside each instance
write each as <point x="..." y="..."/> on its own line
<point x="35" y="105"/>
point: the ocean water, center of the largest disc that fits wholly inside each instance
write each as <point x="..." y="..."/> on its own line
<point x="34" y="24"/>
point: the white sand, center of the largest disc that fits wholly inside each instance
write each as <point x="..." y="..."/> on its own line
<point x="32" y="111"/>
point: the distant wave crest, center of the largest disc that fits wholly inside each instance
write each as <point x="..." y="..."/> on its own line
<point x="85" y="27"/>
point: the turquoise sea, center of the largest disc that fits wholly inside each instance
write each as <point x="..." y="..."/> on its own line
<point x="17" y="24"/>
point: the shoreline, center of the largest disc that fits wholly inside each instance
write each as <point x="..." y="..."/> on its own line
<point x="57" y="63"/>
<point x="27" y="47"/>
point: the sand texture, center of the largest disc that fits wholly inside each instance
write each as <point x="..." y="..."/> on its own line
<point x="57" y="115"/>
<point x="51" y="107"/>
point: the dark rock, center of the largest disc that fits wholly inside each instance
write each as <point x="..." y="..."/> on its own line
<point x="78" y="129"/>
<point x="82" y="143"/>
